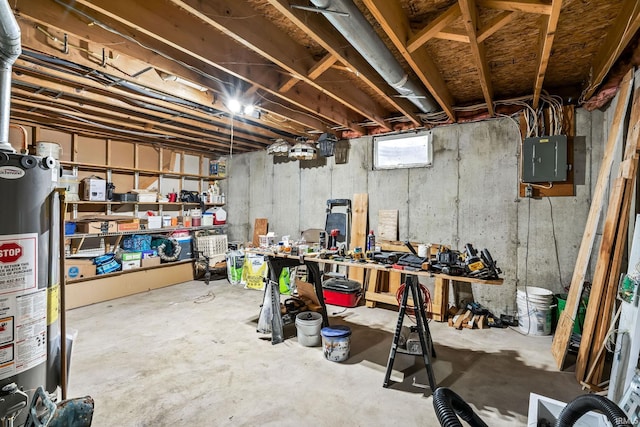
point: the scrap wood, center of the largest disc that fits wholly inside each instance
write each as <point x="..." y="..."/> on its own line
<point x="482" y="324"/>
<point x="608" y="268"/>
<point x="598" y="287"/>
<point x="358" y="236"/>
<point x="463" y="318"/>
<point x="260" y="227"/>
<point x="562" y="336"/>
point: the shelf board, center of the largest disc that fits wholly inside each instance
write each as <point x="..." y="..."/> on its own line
<point x="118" y="273"/>
<point x="124" y="169"/>
<point x="164" y="230"/>
<point x="108" y="202"/>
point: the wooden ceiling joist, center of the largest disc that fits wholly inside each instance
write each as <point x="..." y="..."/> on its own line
<point x="470" y="19"/>
<point x="30" y="14"/>
<point x="189" y="41"/>
<point x="547" y="33"/>
<point x="261" y="36"/>
<point x="316" y="27"/>
<point x="192" y="37"/>
<point x="395" y="24"/>
<point x="90" y="91"/>
<point x="316" y="70"/>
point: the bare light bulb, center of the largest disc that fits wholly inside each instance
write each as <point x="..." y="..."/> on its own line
<point x="234" y="106"/>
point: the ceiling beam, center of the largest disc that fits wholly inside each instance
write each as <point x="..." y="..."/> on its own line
<point x="33" y="118"/>
<point x="547" y="33"/>
<point x="190" y="31"/>
<point x="314" y="72"/>
<point x="620" y="32"/>
<point x="470" y="19"/>
<point x="395" y="24"/>
<point x="122" y="64"/>
<point x="114" y="97"/>
<point x="527" y="6"/>
<point x="148" y="122"/>
<point x="112" y="122"/>
<point x="199" y="36"/>
<point x="317" y="28"/>
<point x="433" y="28"/>
<point x="261" y="36"/>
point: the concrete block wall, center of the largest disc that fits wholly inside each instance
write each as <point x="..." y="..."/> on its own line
<point x="469" y="195"/>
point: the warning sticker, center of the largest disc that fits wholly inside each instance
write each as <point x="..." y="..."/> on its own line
<point x="18" y="262"/>
<point x="6" y="330"/>
<point x="23" y="332"/>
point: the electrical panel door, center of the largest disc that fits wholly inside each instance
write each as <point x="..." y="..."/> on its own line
<point x="544" y="159"/>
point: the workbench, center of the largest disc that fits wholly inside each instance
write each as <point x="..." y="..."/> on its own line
<point x="373" y="292"/>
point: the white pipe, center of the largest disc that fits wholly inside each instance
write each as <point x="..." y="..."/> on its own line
<point x="10" y="49"/>
<point x="357" y="30"/>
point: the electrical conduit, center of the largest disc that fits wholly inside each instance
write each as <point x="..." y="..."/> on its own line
<point x="10" y="49"/>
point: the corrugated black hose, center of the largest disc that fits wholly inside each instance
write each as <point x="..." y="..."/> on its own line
<point x="591" y="402"/>
<point x="449" y="405"/>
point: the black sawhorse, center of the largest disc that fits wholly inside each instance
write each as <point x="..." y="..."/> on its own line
<point x="276" y="264"/>
<point x="426" y="344"/>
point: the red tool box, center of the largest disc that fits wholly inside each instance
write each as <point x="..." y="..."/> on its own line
<point x="342" y="292"/>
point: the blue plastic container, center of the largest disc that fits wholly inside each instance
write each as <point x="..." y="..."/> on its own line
<point x="336" y="342"/>
<point x="69" y="227"/>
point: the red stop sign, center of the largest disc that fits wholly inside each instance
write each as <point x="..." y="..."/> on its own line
<point x="10" y="252"/>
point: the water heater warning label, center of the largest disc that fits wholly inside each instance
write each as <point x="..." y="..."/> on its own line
<point x="18" y="262"/>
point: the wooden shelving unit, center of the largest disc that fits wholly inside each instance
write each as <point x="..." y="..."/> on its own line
<point x="89" y="290"/>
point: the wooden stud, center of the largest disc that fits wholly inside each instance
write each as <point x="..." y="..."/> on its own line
<point x="359" y="231"/>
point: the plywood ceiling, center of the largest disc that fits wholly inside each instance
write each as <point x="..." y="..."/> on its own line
<point x="108" y="68"/>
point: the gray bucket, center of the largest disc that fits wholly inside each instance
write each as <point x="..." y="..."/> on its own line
<point x="308" y="325"/>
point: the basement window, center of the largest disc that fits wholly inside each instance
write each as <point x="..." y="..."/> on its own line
<point x="400" y="151"/>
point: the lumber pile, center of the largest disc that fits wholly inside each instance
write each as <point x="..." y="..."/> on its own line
<point x="464" y="318"/>
<point x="602" y="298"/>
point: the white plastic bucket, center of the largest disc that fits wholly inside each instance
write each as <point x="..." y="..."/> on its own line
<point x="308" y="325"/>
<point x="534" y="310"/>
<point x="336" y="343"/>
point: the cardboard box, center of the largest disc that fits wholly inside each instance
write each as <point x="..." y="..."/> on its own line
<point x="79" y="268"/>
<point x="131" y="256"/>
<point x="130" y="265"/>
<point x="150" y="261"/>
<point x="132" y="225"/>
<point x="94" y="189"/>
<point x="96" y="227"/>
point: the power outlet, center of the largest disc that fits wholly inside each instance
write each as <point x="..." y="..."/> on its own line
<point x="528" y="191"/>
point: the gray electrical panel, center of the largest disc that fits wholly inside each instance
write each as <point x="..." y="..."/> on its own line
<point x="544" y="159"/>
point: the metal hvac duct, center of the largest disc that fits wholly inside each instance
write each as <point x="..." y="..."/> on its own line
<point x="357" y="30"/>
<point x="10" y="49"/>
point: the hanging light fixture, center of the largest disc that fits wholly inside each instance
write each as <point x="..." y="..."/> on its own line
<point x="327" y="144"/>
<point x="303" y="150"/>
<point x="279" y="148"/>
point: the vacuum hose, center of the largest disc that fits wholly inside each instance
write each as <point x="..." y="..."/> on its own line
<point x="587" y="402"/>
<point x="449" y="405"/>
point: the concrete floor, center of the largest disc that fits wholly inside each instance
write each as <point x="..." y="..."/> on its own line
<point x="176" y="356"/>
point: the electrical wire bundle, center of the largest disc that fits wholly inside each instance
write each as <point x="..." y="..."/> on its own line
<point x="411" y="309"/>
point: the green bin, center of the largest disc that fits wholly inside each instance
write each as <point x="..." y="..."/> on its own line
<point x="577" y="325"/>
